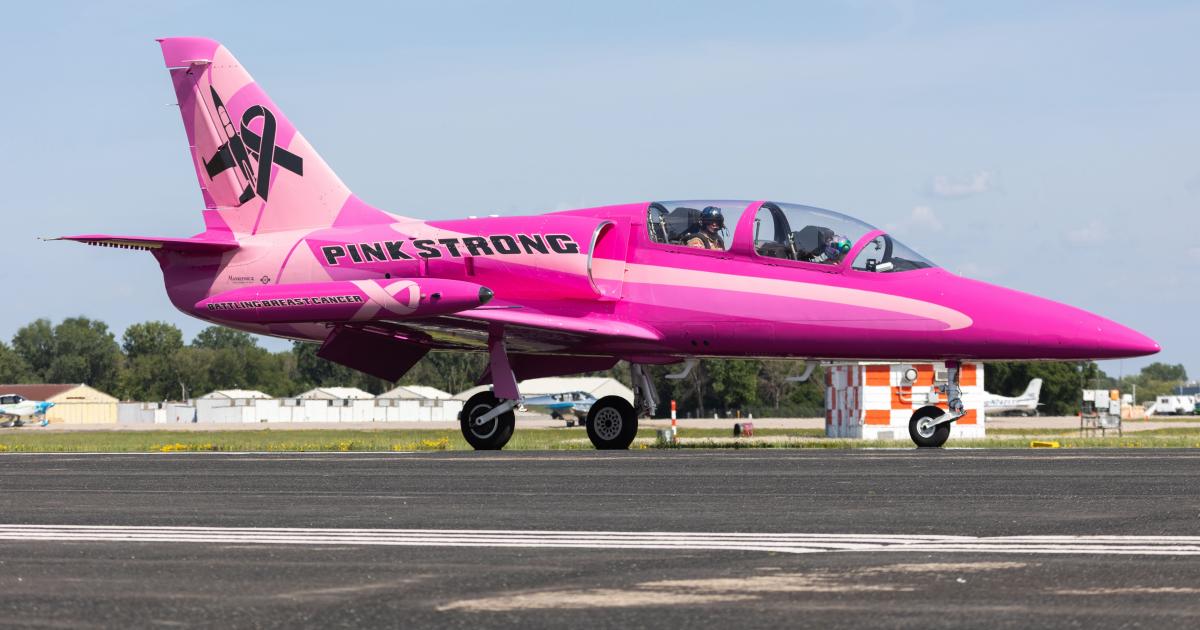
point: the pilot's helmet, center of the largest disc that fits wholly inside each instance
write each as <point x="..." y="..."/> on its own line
<point x="712" y="214"/>
<point x="837" y="247"/>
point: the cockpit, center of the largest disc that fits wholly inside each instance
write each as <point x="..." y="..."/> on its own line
<point x="782" y="231"/>
<point x="699" y="224"/>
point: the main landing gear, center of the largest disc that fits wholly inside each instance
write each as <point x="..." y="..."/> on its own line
<point x="612" y="422"/>
<point x="930" y="426"/>
<point x="487" y="420"/>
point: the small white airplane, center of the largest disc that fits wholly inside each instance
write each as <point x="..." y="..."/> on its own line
<point x="1026" y="403"/>
<point x="559" y="405"/>
<point x="15" y="409"/>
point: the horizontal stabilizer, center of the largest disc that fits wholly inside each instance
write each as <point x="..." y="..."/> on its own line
<point x="152" y="243"/>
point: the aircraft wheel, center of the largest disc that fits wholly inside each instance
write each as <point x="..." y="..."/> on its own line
<point x="923" y="433"/>
<point x="612" y="423"/>
<point x="492" y="435"/>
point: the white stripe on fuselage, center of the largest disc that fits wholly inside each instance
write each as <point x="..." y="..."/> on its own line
<point x="699" y="279"/>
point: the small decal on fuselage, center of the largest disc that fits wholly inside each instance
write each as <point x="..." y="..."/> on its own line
<point x="427" y="248"/>
<point x="282" y="302"/>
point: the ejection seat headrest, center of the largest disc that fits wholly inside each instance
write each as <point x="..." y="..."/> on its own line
<point x="811" y="240"/>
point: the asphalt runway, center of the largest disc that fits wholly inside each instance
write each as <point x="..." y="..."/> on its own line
<point x="756" y="538"/>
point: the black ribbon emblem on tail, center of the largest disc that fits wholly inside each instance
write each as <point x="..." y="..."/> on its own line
<point x="241" y="145"/>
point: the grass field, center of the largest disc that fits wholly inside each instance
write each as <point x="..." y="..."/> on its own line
<point x="532" y="439"/>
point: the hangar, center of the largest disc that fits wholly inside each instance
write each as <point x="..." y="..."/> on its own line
<point x="73" y="403"/>
<point x="335" y="393"/>
<point x="597" y="386"/>
<point x="416" y="392"/>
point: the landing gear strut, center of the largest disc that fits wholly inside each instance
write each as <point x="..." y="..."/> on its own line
<point x="487" y="420"/>
<point x="612" y="422"/>
<point x="930" y="426"/>
<point x="487" y="423"/>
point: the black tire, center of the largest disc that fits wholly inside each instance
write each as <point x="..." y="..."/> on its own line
<point x="612" y="423"/>
<point x="491" y="436"/>
<point x="931" y="437"/>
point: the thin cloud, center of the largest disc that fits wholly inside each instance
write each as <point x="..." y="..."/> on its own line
<point x="920" y="219"/>
<point x="1094" y="233"/>
<point x="947" y="187"/>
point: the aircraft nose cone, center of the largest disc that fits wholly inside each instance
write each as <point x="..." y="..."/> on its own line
<point x="1020" y="326"/>
<point x="1084" y="335"/>
<point x="1117" y="341"/>
<point x="485" y="295"/>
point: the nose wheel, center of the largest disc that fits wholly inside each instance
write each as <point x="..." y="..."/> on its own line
<point x="930" y="426"/>
<point x="924" y="432"/>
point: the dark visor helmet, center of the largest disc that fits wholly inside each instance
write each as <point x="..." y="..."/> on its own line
<point x="712" y="214"/>
<point x="837" y="247"/>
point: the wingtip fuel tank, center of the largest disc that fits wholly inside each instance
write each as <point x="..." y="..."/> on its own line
<point x="346" y="301"/>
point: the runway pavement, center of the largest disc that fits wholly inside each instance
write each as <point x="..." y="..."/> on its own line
<point x="589" y="539"/>
<point x="541" y="421"/>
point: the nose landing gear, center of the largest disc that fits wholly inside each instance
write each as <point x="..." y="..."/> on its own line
<point x="930" y="426"/>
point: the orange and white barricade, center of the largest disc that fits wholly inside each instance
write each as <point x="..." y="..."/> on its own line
<point x="875" y="401"/>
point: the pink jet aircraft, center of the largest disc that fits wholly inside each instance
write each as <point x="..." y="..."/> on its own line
<point x="289" y="251"/>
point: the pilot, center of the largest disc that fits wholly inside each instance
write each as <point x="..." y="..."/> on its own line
<point x="712" y="222"/>
<point x="834" y="248"/>
<point x="837" y="247"/>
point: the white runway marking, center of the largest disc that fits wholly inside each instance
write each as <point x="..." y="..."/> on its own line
<point x="679" y="541"/>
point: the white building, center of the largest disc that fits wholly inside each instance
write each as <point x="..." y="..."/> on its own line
<point x="336" y="393"/>
<point x="419" y="403"/>
<point x="416" y="392"/>
<point x="156" y="413"/>
<point x="234" y="394"/>
<point x="226" y="406"/>
<point x="322" y="404"/>
<point x="598" y="386"/>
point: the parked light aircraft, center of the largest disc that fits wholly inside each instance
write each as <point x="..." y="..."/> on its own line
<point x="1026" y="403"/>
<point x="577" y="404"/>
<point x="16" y="410"/>
<point x="289" y="251"/>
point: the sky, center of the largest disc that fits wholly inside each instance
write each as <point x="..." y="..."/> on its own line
<point x="1052" y="148"/>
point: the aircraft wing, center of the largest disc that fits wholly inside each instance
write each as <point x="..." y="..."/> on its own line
<point x="548" y="402"/>
<point x="151" y="243"/>
<point x="586" y="326"/>
<point x="549" y="405"/>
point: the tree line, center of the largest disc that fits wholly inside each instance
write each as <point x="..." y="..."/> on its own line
<point x="152" y="362"/>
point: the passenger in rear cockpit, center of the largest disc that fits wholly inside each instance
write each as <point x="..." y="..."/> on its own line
<point x="712" y="222"/>
<point x="820" y="245"/>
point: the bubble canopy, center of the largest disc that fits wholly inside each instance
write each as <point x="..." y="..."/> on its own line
<point x="786" y="231"/>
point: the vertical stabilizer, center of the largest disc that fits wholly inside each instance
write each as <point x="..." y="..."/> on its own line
<point x="256" y="172"/>
<point x="1033" y="390"/>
